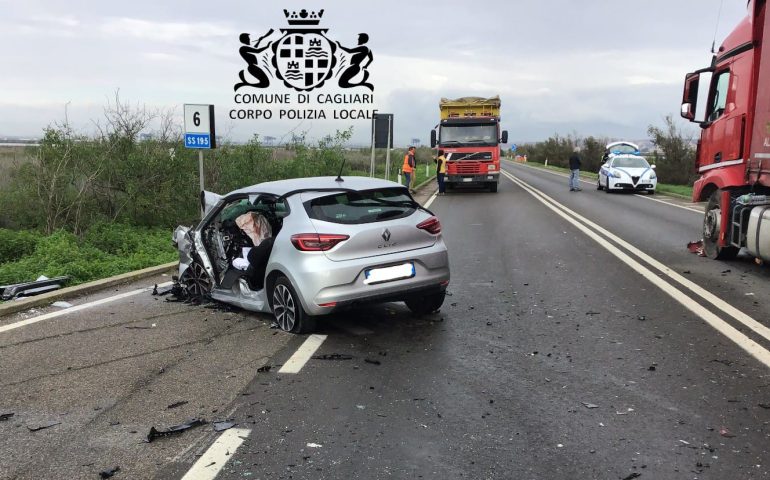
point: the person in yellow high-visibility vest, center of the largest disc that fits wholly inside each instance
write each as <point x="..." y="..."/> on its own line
<point x="408" y="167"/>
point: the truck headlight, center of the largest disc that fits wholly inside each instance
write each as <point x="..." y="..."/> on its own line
<point x="491" y="166"/>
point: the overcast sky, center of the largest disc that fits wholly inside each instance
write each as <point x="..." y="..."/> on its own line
<point x="594" y="67"/>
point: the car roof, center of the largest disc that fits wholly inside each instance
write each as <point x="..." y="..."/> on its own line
<point x="281" y="187"/>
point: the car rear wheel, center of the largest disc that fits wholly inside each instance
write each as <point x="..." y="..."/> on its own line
<point x="712" y="222"/>
<point x="425" y="304"/>
<point x="287" y="309"/>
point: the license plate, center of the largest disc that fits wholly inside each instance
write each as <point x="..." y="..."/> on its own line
<point x="466" y="179"/>
<point x="387" y="274"/>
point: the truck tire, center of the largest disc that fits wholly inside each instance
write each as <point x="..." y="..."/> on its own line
<point x="493" y="187"/>
<point x="711" y="226"/>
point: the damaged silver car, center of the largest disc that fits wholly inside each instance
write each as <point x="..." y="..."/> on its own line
<point x="306" y="247"/>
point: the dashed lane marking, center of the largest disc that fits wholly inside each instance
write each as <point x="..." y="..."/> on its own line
<point x="303" y="354"/>
<point x="213" y="461"/>
<point x="76" y="308"/>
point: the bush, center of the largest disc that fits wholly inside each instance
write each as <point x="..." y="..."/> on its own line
<point x="16" y="244"/>
<point x="62" y="253"/>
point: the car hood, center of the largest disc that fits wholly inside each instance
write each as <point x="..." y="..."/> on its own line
<point x="632" y="172"/>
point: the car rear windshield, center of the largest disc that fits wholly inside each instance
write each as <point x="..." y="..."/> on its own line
<point x="365" y="206"/>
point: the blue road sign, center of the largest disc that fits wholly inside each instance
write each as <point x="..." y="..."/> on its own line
<point x="197" y="140"/>
<point x="513" y="147"/>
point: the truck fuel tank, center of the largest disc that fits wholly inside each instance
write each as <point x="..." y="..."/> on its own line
<point x="758" y="232"/>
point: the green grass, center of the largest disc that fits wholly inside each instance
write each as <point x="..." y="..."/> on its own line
<point x="103" y="251"/>
<point x="684" y="191"/>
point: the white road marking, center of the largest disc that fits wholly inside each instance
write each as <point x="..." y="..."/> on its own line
<point x="743" y="341"/>
<point x="646" y="197"/>
<point x="725" y="307"/>
<point x="303" y="354"/>
<point x="430" y="200"/>
<point x="594" y="183"/>
<point x="76" y="308"/>
<point x="213" y="461"/>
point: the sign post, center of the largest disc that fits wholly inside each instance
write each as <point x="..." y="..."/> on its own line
<point x="199" y="133"/>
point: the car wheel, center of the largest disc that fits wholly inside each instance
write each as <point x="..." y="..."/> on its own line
<point x="425" y="304"/>
<point x="607" y="186"/>
<point x="287" y="309"/>
<point x="712" y="220"/>
<point x="598" y="183"/>
<point x="195" y="281"/>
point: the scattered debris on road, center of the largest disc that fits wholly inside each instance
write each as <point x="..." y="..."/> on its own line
<point x="109" y="473"/>
<point x="696" y="247"/>
<point x="314" y="445"/>
<point x="7" y="415"/>
<point x="177" y="404"/>
<point x="43" y="426"/>
<point x="593" y="313"/>
<point x="332" y="356"/>
<point x="726" y="433"/>
<point x="222" y="426"/>
<point x="632" y="476"/>
<point x="761" y="405"/>
<point x="590" y="405"/>
<point x="264" y="368"/>
<point x="174" y="430"/>
<point x="372" y="361"/>
<point x="161" y="293"/>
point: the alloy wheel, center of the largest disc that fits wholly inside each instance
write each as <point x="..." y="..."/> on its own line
<point x="284" y="308"/>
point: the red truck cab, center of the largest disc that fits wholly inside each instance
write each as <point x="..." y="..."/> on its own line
<point x="730" y="100"/>
<point x="470" y="136"/>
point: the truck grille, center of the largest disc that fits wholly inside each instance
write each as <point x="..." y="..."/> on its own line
<point x="467" y="167"/>
<point x="455" y="156"/>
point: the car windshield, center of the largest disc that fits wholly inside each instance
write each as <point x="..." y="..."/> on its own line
<point x="469" y="134"/>
<point x="630" y="162"/>
<point x="621" y="148"/>
<point x="365" y="206"/>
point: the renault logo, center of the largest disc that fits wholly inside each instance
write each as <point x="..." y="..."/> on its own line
<point x="386" y="234"/>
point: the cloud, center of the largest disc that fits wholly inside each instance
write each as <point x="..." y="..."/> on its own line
<point x="174" y="32"/>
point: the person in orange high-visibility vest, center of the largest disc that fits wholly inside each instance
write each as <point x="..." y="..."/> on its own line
<point x="408" y="167"/>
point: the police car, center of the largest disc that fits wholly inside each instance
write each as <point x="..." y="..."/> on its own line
<point x="625" y="169"/>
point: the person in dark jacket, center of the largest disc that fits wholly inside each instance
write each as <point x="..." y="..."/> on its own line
<point x="574" y="171"/>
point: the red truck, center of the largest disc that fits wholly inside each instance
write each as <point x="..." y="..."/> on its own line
<point x="469" y="133"/>
<point x="731" y="101"/>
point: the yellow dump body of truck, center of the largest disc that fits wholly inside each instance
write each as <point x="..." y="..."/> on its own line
<point x="469" y="107"/>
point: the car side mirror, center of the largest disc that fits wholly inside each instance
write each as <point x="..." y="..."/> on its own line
<point x="504" y="138"/>
<point x="653" y="167"/>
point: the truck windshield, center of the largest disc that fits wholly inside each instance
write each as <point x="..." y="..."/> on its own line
<point x="469" y="134"/>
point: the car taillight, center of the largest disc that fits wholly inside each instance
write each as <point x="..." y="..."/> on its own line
<point x="315" y="242"/>
<point x="431" y="225"/>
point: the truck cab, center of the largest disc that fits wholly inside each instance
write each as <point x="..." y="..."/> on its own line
<point x="469" y="134"/>
<point x="730" y="100"/>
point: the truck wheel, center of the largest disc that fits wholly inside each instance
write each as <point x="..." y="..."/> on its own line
<point x="493" y="187"/>
<point x="287" y="309"/>
<point x="712" y="221"/>
<point x="425" y="304"/>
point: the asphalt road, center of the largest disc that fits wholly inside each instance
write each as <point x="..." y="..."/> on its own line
<point x="562" y="352"/>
